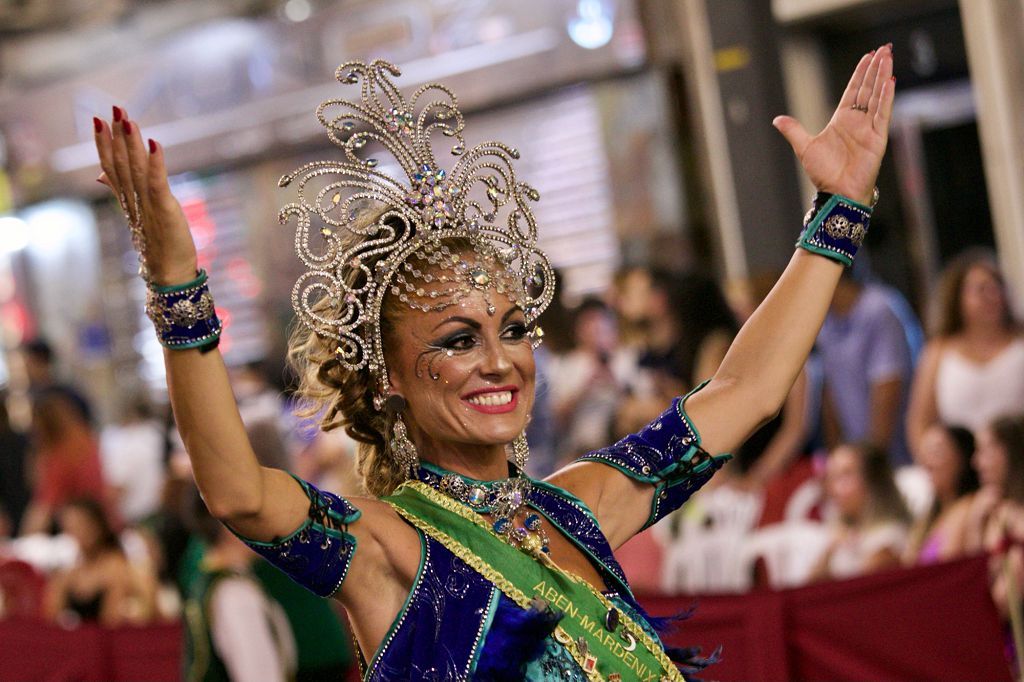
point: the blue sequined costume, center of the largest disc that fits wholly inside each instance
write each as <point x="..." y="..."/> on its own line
<point x="456" y="625"/>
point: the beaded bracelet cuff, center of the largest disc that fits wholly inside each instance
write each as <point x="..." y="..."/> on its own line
<point x="184" y="315"/>
<point x="836" y="230"/>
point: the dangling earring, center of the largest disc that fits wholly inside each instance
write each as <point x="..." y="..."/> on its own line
<point x="402" y="449"/>
<point x="520" y="451"/>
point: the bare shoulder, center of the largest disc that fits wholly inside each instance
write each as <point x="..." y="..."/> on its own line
<point x="959" y="510"/>
<point x="931" y="357"/>
<point x="382" y="519"/>
<point x="384" y="567"/>
<point x="956" y="520"/>
<point x="935" y="348"/>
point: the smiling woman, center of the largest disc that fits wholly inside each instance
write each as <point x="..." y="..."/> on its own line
<point x="416" y="336"/>
<point x="478" y="364"/>
<point x="454" y="360"/>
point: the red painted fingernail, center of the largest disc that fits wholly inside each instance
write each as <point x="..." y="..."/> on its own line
<point x="127" y="127"/>
<point x="97" y="124"/>
<point x="152" y="146"/>
<point x="118" y="114"/>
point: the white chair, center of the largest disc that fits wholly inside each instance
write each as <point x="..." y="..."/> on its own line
<point x="704" y="542"/>
<point x="803" y="500"/>
<point x="790" y="551"/>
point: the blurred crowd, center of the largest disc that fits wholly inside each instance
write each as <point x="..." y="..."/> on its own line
<point x="893" y="448"/>
<point x="104" y="525"/>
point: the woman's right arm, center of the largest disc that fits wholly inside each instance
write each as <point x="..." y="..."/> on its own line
<point x="259" y="503"/>
<point x="922" y="411"/>
<point x="279" y="516"/>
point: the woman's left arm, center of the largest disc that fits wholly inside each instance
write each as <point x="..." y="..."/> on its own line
<point x="767" y="355"/>
<point x="763" y="362"/>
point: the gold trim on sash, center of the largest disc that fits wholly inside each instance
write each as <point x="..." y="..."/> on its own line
<point x="481" y="566"/>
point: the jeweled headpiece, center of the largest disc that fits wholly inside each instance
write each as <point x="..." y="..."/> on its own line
<point x="417" y="207"/>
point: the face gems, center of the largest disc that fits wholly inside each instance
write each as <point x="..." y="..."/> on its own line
<point x="536" y="337"/>
<point x="479" y="277"/>
<point x="435" y="277"/>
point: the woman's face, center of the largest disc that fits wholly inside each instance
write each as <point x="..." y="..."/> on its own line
<point x="990" y="460"/>
<point x="467" y="374"/>
<point x="940" y="459"/>
<point x="844" y="482"/>
<point x="981" y="297"/>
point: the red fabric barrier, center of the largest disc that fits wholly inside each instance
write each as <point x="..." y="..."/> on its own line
<point x="31" y="651"/>
<point x="931" y="623"/>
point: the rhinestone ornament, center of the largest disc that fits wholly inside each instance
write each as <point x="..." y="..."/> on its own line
<point x="504" y="501"/>
<point x="375" y="215"/>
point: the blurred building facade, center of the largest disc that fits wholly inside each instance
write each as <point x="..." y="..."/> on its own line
<point x="644" y="123"/>
<point x="954" y="176"/>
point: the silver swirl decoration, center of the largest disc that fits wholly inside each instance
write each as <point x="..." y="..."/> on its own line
<point x="358" y="219"/>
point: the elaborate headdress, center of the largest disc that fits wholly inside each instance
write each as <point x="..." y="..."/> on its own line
<point x="404" y="249"/>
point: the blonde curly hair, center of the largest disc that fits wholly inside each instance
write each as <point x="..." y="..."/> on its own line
<point x="343" y="398"/>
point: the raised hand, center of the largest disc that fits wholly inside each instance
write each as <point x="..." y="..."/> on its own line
<point x="844" y="158"/>
<point x="138" y="180"/>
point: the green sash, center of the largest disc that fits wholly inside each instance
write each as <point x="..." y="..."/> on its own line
<point x="602" y="654"/>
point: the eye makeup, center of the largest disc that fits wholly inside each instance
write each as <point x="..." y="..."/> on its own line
<point x="461" y="341"/>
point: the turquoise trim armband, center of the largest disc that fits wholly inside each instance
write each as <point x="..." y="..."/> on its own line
<point x="201" y="279"/>
<point x="184" y="315"/>
<point x="666" y="453"/>
<point x="318" y="554"/>
<point x="837" y="230"/>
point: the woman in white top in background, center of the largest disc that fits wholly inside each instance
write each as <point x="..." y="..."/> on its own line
<point x="871" y="521"/>
<point x="972" y="369"/>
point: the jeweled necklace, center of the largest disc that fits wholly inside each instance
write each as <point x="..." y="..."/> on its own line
<point x="503" y="500"/>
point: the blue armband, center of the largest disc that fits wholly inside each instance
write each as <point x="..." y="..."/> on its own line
<point x="666" y="453"/>
<point x="318" y="554"/>
<point x="835" y="229"/>
<point x="184" y="315"/>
